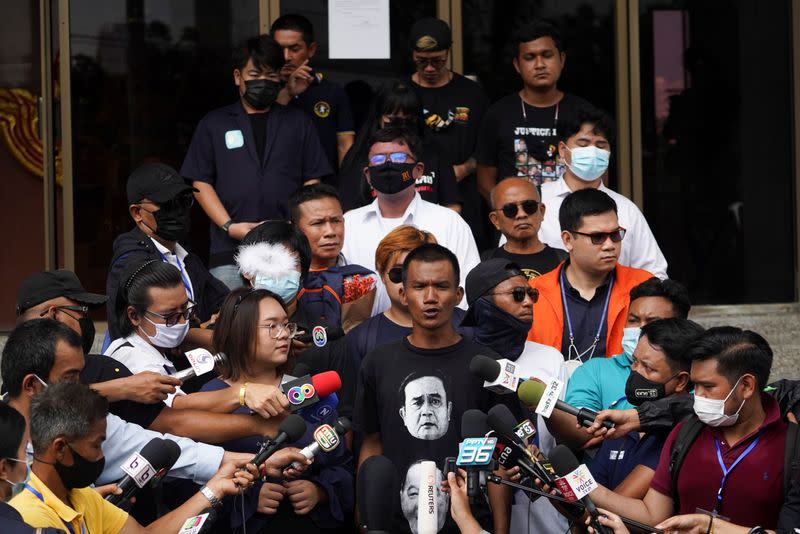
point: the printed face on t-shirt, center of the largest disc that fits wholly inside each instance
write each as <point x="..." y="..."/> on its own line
<point x="409" y="497"/>
<point x="425" y="410"/>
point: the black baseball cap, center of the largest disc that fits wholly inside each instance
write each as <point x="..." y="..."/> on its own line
<point x="157" y="182"/>
<point x="483" y="278"/>
<point x="46" y="285"/>
<point x="430" y="35"/>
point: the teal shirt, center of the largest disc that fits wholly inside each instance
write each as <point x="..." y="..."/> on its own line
<point x="600" y="383"/>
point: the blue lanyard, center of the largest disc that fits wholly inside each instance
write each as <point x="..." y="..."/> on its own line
<point x="569" y="319"/>
<point x="41" y="498"/>
<point x="726" y="472"/>
<point x="622" y="398"/>
<point x="184" y="276"/>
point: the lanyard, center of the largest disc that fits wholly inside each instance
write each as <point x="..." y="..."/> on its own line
<point x="525" y="114"/>
<point x="41" y="498"/>
<point x="726" y="472"/>
<point x="590" y="349"/>
<point x="184" y="276"/>
<point x="622" y="398"/>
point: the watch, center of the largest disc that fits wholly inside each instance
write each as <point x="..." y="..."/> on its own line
<point x="226" y="227"/>
<point x="212" y="498"/>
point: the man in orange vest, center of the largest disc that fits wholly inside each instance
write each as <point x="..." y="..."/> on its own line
<point x="583" y="303"/>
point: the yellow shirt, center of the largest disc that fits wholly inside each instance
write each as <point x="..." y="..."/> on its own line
<point x="90" y="515"/>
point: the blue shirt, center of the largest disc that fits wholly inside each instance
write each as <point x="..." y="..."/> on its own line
<point x="223" y="153"/>
<point x="618" y="457"/>
<point x="599" y="384"/>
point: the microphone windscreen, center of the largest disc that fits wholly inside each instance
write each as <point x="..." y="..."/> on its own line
<point x="378" y="493"/>
<point x="157" y="454"/>
<point x="501" y="420"/>
<point x="473" y="424"/>
<point x="484" y="367"/>
<point x="343" y="426"/>
<point x="530" y="392"/>
<point x="173" y="453"/>
<point x="427" y="508"/>
<point x="294" y="426"/>
<point x="301" y="369"/>
<point x="326" y="383"/>
<point x="563" y="460"/>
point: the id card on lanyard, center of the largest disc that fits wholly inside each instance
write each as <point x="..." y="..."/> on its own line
<point x="726" y="472"/>
<point x="39" y="496"/>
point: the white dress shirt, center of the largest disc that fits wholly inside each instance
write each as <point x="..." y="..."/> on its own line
<point x="366" y="226"/>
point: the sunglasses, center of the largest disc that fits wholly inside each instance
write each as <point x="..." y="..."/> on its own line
<point x="435" y="62"/>
<point x="519" y="293"/>
<point x="394" y="157"/>
<point x="395" y="275"/>
<point x="511" y="209"/>
<point x="83" y="311"/>
<point x="171" y="319"/>
<point x="598" y="238"/>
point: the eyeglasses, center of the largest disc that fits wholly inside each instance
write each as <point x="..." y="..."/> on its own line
<point x="395" y="275"/>
<point x="435" y="62"/>
<point x="82" y="310"/>
<point x="511" y="209"/>
<point x="289" y="328"/>
<point x="394" y="157"/>
<point x="519" y="293"/>
<point x="173" y="318"/>
<point x="598" y="238"/>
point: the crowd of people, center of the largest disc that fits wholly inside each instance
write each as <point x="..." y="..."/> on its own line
<point x="445" y="231"/>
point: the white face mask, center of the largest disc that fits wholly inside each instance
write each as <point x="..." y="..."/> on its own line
<point x="712" y="411"/>
<point x="167" y="337"/>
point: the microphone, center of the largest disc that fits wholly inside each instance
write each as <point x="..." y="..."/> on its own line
<point x="200" y="524"/>
<point x="307" y="390"/>
<point x="378" y="489"/>
<point x="499" y="376"/>
<point x="475" y="451"/>
<point x="319" y="412"/>
<point x="576" y="482"/>
<point x="290" y="430"/>
<point x="155" y="459"/>
<point x="512" y="451"/>
<point x="321" y="335"/>
<point x="201" y="362"/>
<point x="326" y="439"/>
<point x="427" y="510"/>
<point x="532" y="391"/>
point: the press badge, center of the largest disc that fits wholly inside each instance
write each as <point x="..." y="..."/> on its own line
<point x="234" y="139"/>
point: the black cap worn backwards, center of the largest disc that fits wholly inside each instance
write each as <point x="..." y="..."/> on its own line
<point x="430" y="35"/>
<point x="156" y="182"/>
<point x="483" y="278"/>
<point x="46" y="285"/>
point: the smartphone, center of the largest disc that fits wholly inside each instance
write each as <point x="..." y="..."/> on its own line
<point x="449" y="466"/>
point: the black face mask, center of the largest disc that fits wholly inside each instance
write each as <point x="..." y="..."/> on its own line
<point x="172" y="225"/>
<point x="499" y="330"/>
<point x="87" y="334"/>
<point x="390" y="178"/>
<point x="260" y="94"/>
<point x="81" y="473"/>
<point x="639" y="389"/>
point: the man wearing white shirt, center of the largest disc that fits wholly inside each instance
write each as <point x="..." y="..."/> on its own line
<point x="586" y="149"/>
<point x="394" y="166"/>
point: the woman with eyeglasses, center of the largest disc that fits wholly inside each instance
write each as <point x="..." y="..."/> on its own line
<point x="254" y="330"/>
<point x="395" y="322"/>
<point x="396" y="105"/>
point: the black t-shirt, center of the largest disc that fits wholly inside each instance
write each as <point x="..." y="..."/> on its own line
<point x="452" y="115"/>
<point x="415" y="398"/>
<point x="525" y="143"/>
<point x="532" y="265"/>
<point x="258" y="121"/>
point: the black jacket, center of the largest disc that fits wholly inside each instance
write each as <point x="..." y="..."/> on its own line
<point x="11" y="523"/>
<point x="136" y="247"/>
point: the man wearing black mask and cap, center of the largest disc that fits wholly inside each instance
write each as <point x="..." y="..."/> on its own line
<point x="246" y="158"/>
<point x="160" y="202"/>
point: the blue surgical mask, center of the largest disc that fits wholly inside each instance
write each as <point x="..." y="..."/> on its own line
<point x="588" y="162"/>
<point x="286" y="288"/>
<point x="17" y="487"/>
<point x="630" y="337"/>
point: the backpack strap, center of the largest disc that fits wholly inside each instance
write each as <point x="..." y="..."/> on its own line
<point x="680" y="447"/>
<point x="791" y="456"/>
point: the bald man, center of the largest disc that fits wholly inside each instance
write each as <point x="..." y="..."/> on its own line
<point x="517" y="211"/>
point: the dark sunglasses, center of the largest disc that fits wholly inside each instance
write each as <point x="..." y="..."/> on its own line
<point x="435" y="62"/>
<point x="520" y="292"/>
<point x="395" y="275"/>
<point x="511" y="209"/>
<point x="598" y="238"/>
<point x="171" y="319"/>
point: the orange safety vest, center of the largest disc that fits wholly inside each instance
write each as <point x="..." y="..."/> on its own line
<point x="548" y="312"/>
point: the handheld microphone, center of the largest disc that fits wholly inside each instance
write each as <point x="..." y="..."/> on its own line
<point x="290" y="430"/>
<point x="475" y="451"/>
<point x="326" y="439"/>
<point x="321" y="335"/>
<point x="378" y="489"/>
<point x="532" y="391"/>
<point x="201" y="362"/>
<point x="499" y="376"/>
<point x="201" y="523"/>
<point x="155" y="459"/>
<point x="307" y="390"/>
<point x="322" y="410"/>
<point x="427" y="509"/>
<point x="574" y="484"/>
<point x="512" y="451"/>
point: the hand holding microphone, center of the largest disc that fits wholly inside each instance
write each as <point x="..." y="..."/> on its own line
<point x="154" y="460"/>
<point x="201" y="362"/>
<point x="499" y="376"/>
<point x="326" y="439"/>
<point x="532" y="391"/>
<point x="290" y="430"/>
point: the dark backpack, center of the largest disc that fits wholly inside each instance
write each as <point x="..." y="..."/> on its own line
<point x="691" y="429"/>
<point x="324" y="292"/>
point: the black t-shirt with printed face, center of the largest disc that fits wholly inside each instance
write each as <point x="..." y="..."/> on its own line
<point x="415" y="398"/>
<point x="525" y="143"/>
<point x="532" y="265"/>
